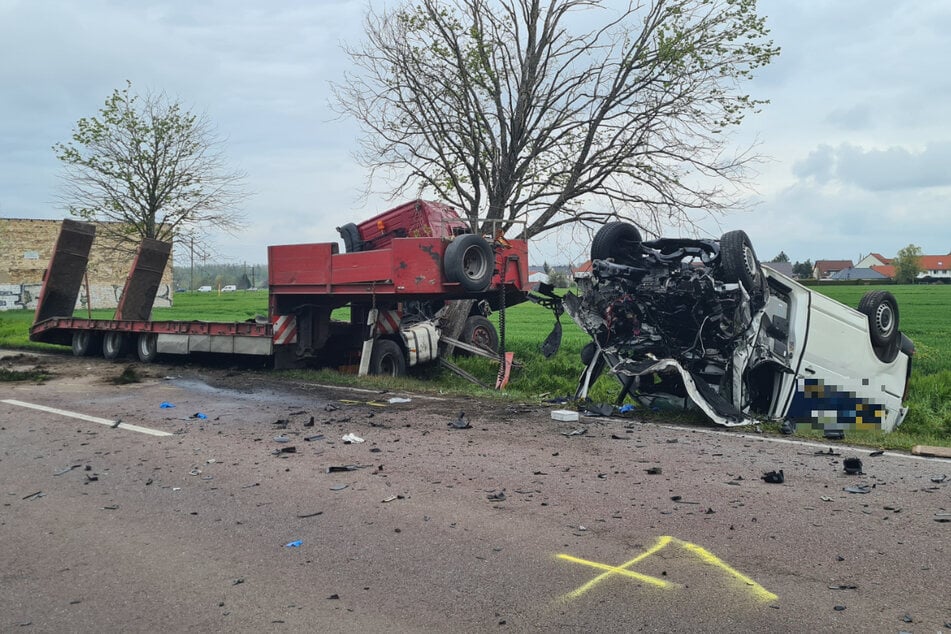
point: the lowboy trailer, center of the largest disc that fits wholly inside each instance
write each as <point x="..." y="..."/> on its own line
<point x="399" y="273"/>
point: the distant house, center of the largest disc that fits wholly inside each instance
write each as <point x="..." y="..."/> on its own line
<point x="781" y="267"/>
<point x="539" y="277"/>
<point x="935" y="268"/>
<point x="872" y="260"/>
<point x="582" y="270"/>
<point x="857" y="273"/>
<point x="823" y="269"/>
<point x="888" y="270"/>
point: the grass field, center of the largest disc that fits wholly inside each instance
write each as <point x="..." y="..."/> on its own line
<point x="924" y="318"/>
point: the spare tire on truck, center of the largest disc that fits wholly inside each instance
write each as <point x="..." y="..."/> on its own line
<point x="738" y="261"/>
<point x="618" y="241"/>
<point x="469" y="260"/>
<point x="479" y="331"/>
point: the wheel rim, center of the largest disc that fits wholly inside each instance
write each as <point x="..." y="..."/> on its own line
<point x="81" y="341"/>
<point x="388" y="365"/>
<point x="884" y="319"/>
<point x="482" y="337"/>
<point x="749" y="261"/>
<point x="111" y="343"/>
<point x="474" y="263"/>
<point x="146" y="346"/>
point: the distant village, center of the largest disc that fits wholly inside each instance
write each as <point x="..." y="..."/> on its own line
<point x="872" y="268"/>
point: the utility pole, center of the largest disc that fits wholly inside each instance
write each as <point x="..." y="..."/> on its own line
<point x="191" y="284"/>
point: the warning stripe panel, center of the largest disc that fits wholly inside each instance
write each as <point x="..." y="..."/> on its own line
<point x="388" y="322"/>
<point x="285" y="329"/>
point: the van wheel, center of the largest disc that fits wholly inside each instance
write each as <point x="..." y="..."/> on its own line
<point x="738" y="260"/>
<point x="470" y="261"/>
<point x="480" y="332"/>
<point x="618" y="241"/>
<point x="147" y="347"/>
<point x="387" y="358"/>
<point x="113" y="345"/>
<point x="85" y="343"/>
<point x="882" y="311"/>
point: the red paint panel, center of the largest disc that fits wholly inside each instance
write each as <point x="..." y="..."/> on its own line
<point x="300" y="263"/>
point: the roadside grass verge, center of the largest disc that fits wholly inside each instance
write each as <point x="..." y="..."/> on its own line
<point x="924" y="311"/>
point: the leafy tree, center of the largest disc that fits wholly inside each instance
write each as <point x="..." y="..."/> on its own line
<point x="782" y="257"/>
<point x="502" y="109"/>
<point x="149" y="169"/>
<point x="907" y="264"/>
<point x="802" y="269"/>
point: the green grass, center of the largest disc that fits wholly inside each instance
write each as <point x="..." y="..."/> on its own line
<point x="924" y="311"/>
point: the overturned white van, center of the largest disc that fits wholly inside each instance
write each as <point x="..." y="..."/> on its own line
<point x="682" y="321"/>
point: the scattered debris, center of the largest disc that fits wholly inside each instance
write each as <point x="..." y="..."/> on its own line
<point x="843" y="587"/>
<point x="281" y="438"/>
<point x="852" y="466"/>
<point x="111" y="507"/>
<point x="309" y="423"/>
<point x="342" y="468"/>
<point x="200" y="416"/>
<point x="280" y="423"/>
<point x="333" y="597"/>
<point x="774" y="477"/>
<point x="880" y="452"/>
<point x="392" y="498"/>
<point x="351" y="439"/>
<point x="306" y="515"/>
<point x="460" y="423"/>
<point x="34" y="496"/>
<point x="939" y="479"/>
<point x="294" y="544"/>
<point x="942" y="517"/>
<point x="624" y="409"/>
<point x="496" y="495"/>
<point x="861" y="488"/>
<point x="398" y="399"/>
<point x="839" y="608"/>
<point x="654" y="471"/>
<point x="830" y="452"/>
<point x="581" y="431"/>
<point x="786" y="428"/>
<point x="339" y="487"/>
<point x="934" y="452"/>
<point x="282" y="450"/>
<point x="76" y="466"/>
<point x="238" y="581"/>
<point x="116" y="424"/>
<point x="598" y="409"/>
<point x="564" y="415"/>
<point x="834" y="434"/>
<point x="166" y="405"/>
<point x="313" y="438"/>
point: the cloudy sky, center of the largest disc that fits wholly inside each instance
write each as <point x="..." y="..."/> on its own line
<point x="856" y="134"/>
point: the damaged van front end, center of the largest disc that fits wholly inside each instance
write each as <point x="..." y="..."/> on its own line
<point x="701" y="322"/>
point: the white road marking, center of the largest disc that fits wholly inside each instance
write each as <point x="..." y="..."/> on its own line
<point x="91" y="419"/>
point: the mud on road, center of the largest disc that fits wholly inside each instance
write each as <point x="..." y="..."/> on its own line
<point x="503" y="521"/>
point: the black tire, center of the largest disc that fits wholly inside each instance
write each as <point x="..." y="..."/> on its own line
<point x="387" y="358"/>
<point x="618" y="241"/>
<point x="351" y="238"/>
<point x="587" y="353"/>
<point x="470" y="261"/>
<point x="146" y="347"/>
<point x="113" y="345"/>
<point x="738" y="261"/>
<point x="882" y="311"/>
<point x="86" y="343"/>
<point x="480" y="332"/>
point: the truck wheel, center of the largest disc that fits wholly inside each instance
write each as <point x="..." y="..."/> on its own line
<point x="470" y="261"/>
<point x="480" y="332"/>
<point x="738" y="261"/>
<point x="113" y="345"/>
<point x="147" y="347"/>
<point x="351" y="238"/>
<point x="882" y="311"/>
<point x="387" y="358"/>
<point x="618" y="241"/>
<point x="85" y="343"/>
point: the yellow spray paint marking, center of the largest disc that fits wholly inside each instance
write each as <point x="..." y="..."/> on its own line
<point x="705" y="555"/>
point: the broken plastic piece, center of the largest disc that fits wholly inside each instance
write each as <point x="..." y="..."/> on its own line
<point x="862" y="488"/>
<point x="624" y="409"/>
<point x="654" y="471"/>
<point x="281" y="438"/>
<point x="564" y="415"/>
<point x="399" y="399"/>
<point x="460" y="423"/>
<point x="167" y="405"/>
<point x="294" y="544"/>
<point x="581" y="431"/>
<point x="199" y="415"/>
<point x="496" y="495"/>
<point x="852" y="466"/>
<point x="341" y="468"/>
<point x="774" y="477"/>
<point x="352" y="439"/>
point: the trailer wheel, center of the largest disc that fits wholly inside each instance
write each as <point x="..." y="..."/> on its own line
<point x="480" y="332"/>
<point x="882" y="311"/>
<point x="738" y="260"/>
<point x="470" y="261"/>
<point x="618" y="241"/>
<point x="387" y="358"/>
<point x="85" y="343"/>
<point x="113" y="345"/>
<point x="147" y="347"/>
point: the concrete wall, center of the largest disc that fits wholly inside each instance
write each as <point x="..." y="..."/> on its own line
<point x="26" y="246"/>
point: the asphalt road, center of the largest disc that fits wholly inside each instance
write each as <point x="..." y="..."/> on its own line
<point x="509" y="525"/>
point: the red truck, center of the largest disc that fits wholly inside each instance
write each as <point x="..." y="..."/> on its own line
<point x="397" y="273"/>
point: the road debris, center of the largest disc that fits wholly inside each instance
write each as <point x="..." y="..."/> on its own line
<point x="399" y="399"/>
<point x="581" y="431"/>
<point x="76" y="466"/>
<point x="460" y="422"/>
<point x="166" y="405"/>
<point x="392" y="498"/>
<point x="34" y="496"/>
<point x="351" y="439"/>
<point x="774" y="477"/>
<point x="283" y="450"/>
<point x="313" y="438"/>
<point x="339" y="487"/>
<point x="306" y="515"/>
<point x="861" y="488"/>
<point x="342" y="468"/>
<point x="281" y="438"/>
<point x="294" y="544"/>
<point x="654" y="471"/>
<point x="497" y="496"/>
<point x="852" y="466"/>
<point x="939" y="479"/>
<point x="200" y="416"/>
<point x="564" y="415"/>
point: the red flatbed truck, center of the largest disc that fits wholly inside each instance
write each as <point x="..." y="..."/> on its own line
<point x="399" y="271"/>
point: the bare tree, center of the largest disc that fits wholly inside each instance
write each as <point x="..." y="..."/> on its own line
<point x="497" y="107"/>
<point x="148" y="169"/>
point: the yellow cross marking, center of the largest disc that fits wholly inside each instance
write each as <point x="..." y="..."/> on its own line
<point x="662" y="542"/>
